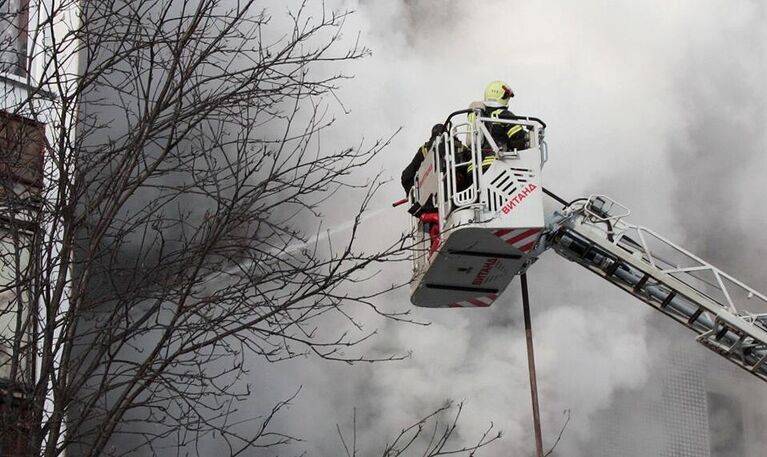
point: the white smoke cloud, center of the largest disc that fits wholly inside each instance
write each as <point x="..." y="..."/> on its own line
<point x="624" y="87"/>
<point x="613" y="82"/>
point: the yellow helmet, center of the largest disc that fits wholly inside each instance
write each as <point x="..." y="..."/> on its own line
<point x="498" y="93"/>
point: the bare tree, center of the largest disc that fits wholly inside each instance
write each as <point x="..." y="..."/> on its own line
<point x="430" y="436"/>
<point x="170" y="234"/>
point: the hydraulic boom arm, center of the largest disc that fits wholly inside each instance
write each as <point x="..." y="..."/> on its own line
<point x="729" y="317"/>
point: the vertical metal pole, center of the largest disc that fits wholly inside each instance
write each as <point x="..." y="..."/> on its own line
<point x="531" y="367"/>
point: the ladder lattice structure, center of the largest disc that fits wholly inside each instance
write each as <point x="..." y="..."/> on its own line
<point x="729" y="317"/>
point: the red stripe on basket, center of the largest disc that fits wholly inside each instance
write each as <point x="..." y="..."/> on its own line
<point x="522" y="236"/>
<point x="527" y="247"/>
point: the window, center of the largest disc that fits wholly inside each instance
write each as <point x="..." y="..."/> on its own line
<point x="21" y="179"/>
<point x="16" y="340"/>
<point x="21" y="156"/>
<point x="14" y="17"/>
<point x="15" y="322"/>
<point x="21" y="159"/>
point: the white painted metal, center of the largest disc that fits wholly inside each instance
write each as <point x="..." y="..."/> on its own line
<point x="729" y="316"/>
<point x="425" y="180"/>
<point x="489" y="222"/>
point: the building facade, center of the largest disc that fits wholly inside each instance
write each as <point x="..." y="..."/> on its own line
<point x="29" y="121"/>
<point x="694" y="404"/>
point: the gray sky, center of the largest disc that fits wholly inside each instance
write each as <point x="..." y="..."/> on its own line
<point x="659" y="104"/>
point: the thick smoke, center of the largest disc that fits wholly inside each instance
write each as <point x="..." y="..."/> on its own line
<point x="656" y="104"/>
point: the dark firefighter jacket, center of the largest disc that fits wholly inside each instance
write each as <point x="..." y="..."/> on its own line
<point x="507" y="137"/>
<point x="408" y="174"/>
<point x="462" y="155"/>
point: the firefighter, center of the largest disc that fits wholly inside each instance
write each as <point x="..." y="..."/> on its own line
<point x="426" y="213"/>
<point x="495" y="106"/>
<point x="461" y="152"/>
<point x="408" y="174"/>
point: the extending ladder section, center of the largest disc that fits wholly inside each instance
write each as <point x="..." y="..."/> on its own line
<point x="729" y="317"/>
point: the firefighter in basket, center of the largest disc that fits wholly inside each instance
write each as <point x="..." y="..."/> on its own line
<point x="495" y="106"/>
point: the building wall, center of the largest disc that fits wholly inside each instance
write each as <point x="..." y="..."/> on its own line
<point x="695" y="404"/>
<point x="29" y="112"/>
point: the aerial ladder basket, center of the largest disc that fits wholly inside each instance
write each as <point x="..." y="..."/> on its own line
<point x="479" y="211"/>
<point x="480" y="221"/>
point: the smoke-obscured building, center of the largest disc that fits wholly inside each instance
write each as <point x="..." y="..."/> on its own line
<point x="694" y="404"/>
<point x="27" y="178"/>
<point x="21" y="155"/>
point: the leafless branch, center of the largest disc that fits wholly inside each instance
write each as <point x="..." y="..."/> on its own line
<point x="566" y="413"/>
<point x="176" y="229"/>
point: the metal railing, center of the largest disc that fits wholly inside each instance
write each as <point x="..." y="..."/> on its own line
<point x="477" y="140"/>
<point x="729" y="316"/>
<point x="454" y="158"/>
